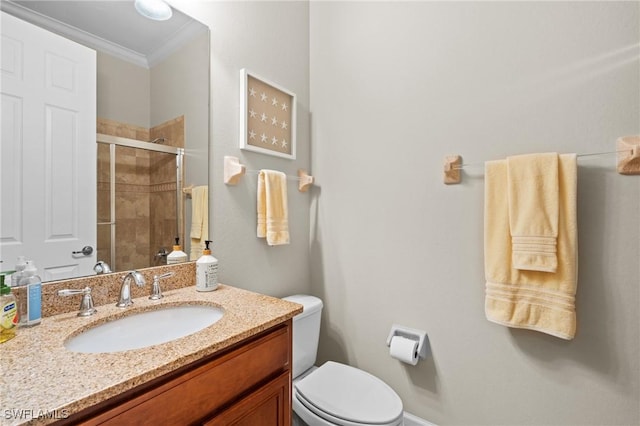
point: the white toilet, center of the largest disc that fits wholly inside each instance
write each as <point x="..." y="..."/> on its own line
<point x="334" y="393"/>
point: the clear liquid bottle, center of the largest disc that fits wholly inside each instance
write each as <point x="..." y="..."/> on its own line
<point x="30" y="302"/>
<point x="21" y="264"/>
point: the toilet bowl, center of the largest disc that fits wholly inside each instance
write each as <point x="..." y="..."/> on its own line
<point x="334" y="393"/>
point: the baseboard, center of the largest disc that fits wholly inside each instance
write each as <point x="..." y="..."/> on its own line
<point x="411" y="420"/>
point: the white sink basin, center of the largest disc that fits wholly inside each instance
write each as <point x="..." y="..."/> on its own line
<point x="145" y="329"/>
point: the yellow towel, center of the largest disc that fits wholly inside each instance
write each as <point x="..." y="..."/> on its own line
<point x="199" y="220"/>
<point x="542" y="301"/>
<point x="273" y="222"/>
<point x="533" y="211"/>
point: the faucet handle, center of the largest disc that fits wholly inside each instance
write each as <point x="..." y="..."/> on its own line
<point x="156" y="292"/>
<point x="165" y="275"/>
<point x="86" y="305"/>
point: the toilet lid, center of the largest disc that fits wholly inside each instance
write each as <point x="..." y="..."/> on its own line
<point x="347" y="393"/>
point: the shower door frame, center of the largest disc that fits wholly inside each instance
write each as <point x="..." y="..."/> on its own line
<point x="114" y="141"/>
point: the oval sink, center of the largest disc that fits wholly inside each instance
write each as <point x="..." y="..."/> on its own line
<point x="145" y="329"/>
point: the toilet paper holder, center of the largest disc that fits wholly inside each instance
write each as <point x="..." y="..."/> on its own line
<point x="411" y="333"/>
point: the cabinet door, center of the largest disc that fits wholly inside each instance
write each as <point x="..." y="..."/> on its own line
<point x="268" y="406"/>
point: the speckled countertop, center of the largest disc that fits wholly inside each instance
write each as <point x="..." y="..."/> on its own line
<point x="40" y="376"/>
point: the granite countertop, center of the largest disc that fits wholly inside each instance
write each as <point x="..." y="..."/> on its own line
<point x="40" y="378"/>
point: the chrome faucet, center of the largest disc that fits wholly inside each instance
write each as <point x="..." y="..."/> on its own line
<point x="156" y="292"/>
<point x="125" y="289"/>
<point x="86" y="305"/>
<point x="101" y="268"/>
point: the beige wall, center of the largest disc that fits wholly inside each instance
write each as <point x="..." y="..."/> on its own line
<point x="397" y="86"/>
<point x="123" y="91"/>
<point x="179" y="87"/>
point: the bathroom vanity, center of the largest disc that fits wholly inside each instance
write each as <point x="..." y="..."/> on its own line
<point x="249" y="383"/>
<point x="234" y="371"/>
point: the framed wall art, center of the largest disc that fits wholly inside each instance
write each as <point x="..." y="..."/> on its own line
<point x="267" y="117"/>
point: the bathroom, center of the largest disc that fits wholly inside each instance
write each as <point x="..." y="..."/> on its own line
<point x="386" y="90"/>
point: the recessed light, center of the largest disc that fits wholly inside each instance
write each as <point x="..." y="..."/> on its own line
<point x="158" y="10"/>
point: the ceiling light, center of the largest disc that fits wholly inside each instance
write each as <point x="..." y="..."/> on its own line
<point x="158" y="10"/>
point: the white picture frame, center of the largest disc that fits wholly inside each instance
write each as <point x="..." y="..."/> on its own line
<point x="267" y="117"/>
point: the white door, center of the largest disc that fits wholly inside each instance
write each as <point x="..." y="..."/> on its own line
<point x="47" y="151"/>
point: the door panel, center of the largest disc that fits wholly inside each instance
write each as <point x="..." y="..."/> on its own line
<point x="48" y="151"/>
<point x="11" y="182"/>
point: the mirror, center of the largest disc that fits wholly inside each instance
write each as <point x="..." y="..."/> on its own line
<point x="152" y="85"/>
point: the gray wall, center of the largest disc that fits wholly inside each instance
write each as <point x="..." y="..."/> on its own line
<point x="272" y="40"/>
<point x="397" y="86"/>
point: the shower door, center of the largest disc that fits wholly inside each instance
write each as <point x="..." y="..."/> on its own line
<point x="139" y="201"/>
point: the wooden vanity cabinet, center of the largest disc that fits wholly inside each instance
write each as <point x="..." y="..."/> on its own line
<point x="268" y="405"/>
<point x="247" y="384"/>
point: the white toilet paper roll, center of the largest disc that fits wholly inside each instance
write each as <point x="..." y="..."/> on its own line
<point x="405" y="350"/>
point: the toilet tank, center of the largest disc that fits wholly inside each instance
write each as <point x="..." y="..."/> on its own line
<point x="306" y="332"/>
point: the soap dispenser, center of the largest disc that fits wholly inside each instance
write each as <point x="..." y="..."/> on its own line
<point x="206" y="270"/>
<point x="9" y="313"/>
<point x="30" y="303"/>
<point x="21" y="264"/>
<point x="177" y="255"/>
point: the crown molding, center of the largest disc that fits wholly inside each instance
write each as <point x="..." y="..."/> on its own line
<point x="168" y="47"/>
<point x="177" y="41"/>
<point x="74" y="33"/>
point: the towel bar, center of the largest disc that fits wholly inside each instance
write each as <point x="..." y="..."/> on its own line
<point x="628" y="161"/>
<point x="233" y="171"/>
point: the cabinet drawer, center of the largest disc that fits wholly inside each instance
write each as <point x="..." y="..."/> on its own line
<point x="198" y="393"/>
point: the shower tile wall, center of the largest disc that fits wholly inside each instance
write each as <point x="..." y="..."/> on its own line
<point x="145" y="186"/>
<point x="163" y="214"/>
<point x="132" y="208"/>
<point x="123" y="130"/>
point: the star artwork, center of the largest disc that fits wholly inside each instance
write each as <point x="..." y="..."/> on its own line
<point x="269" y="116"/>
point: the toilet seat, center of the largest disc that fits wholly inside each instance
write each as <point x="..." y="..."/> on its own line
<point x="348" y="396"/>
